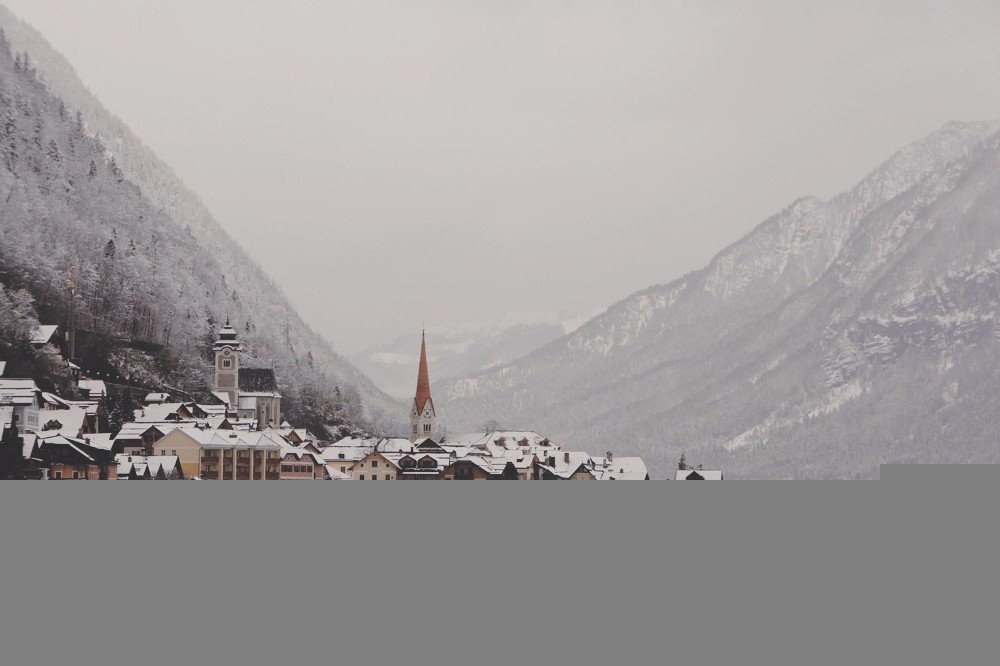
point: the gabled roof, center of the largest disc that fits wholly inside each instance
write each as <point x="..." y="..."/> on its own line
<point x="235" y="439"/>
<point x="567" y="463"/>
<point x="336" y="474"/>
<point x="101" y="440"/>
<point x="95" y="388"/>
<point x="19" y="393"/>
<point x="620" y="469"/>
<point x="67" y="422"/>
<point x="699" y="475"/>
<point x="43" y="334"/>
<point x="301" y="454"/>
<point x="147" y="467"/>
<point x="258" y="380"/>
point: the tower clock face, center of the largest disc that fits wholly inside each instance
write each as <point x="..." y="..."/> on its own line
<point x="427" y="414"/>
<point x="227" y="353"/>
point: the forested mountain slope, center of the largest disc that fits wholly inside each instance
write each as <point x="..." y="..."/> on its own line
<point x="836" y="336"/>
<point x="79" y="190"/>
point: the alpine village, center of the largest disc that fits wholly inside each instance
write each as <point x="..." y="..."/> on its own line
<point x="237" y="432"/>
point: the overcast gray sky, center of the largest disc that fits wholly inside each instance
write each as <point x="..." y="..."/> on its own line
<point x="392" y="163"/>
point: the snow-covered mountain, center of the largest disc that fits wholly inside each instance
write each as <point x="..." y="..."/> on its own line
<point x="458" y="350"/>
<point x="836" y="336"/>
<point x="194" y="273"/>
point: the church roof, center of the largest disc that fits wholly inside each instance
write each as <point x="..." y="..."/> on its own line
<point x="423" y="376"/>
<point x="258" y="380"/>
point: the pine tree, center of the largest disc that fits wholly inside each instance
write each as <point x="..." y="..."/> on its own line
<point x="682" y="465"/>
<point x="53" y="152"/>
<point x="92" y="174"/>
<point x="110" y="250"/>
<point x="10" y="154"/>
<point x="116" y="172"/>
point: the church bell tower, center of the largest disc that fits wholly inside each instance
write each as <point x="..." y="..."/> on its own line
<point x="423" y="418"/>
<point x="227" y="365"/>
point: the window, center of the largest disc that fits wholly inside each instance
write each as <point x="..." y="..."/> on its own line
<point x="427" y="427"/>
<point x="340" y="456"/>
<point x="76" y="475"/>
<point x="362" y="477"/>
<point x="343" y="470"/>
<point x="173" y="452"/>
<point x="388" y="478"/>
<point x="227" y="363"/>
<point x="58" y="475"/>
<point x="374" y="464"/>
<point x="414" y="429"/>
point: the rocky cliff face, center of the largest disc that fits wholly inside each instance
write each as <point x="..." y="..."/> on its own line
<point x="836" y="336"/>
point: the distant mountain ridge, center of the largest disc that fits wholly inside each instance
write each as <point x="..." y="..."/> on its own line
<point x="457" y="350"/>
<point x="279" y="336"/>
<point x="820" y="344"/>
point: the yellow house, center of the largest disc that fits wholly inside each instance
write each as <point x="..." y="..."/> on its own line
<point x="187" y="444"/>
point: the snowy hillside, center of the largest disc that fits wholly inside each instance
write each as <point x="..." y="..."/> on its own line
<point x="837" y="335"/>
<point x="230" y="283"/>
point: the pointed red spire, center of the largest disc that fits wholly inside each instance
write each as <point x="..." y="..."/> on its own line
<point x="423" y="378"/>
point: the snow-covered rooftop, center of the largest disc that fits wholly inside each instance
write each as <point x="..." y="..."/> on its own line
<point x="698" y="475"/>
<point x="95" y="388"/>
<point x="43" y="334"/>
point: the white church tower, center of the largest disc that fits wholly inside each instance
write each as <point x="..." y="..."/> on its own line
<point x="227" y="365"/>
<point x="423" y="418"/>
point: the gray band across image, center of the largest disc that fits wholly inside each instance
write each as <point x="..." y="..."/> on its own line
<point x="896" y="571"/>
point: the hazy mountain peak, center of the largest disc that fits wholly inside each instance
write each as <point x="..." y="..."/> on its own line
<point x="882" y="298"/>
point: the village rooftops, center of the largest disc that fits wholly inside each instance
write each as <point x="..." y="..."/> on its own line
<point x="564" y="465"/>
<point x="148" y="467"/>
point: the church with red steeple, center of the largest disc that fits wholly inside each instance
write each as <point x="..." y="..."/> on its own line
<point x="423" y="418"/>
